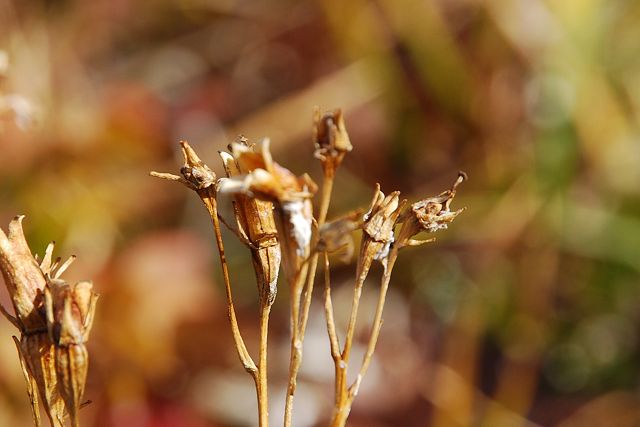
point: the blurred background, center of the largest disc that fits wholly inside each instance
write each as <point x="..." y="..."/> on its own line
<point x="524" y="313"/>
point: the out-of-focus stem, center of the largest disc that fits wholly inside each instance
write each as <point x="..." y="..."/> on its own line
<point x="299" y="319"/>
<point x="331" y="324"/>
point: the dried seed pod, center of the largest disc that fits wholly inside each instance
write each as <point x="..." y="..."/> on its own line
<point x="429" y="215"/>
<point x="26" y="282"/>
<point x="266" y="180"/>
<point x="194" y="173"/>
<point x="331" y="139"/>
<point x="38" y="353"/>
<point x="70" y="311"/>
<point x="379" y="225"/>
<point x="257" y="227"/>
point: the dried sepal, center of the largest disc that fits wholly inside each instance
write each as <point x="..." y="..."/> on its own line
<point x="70" y="311"/>
<point x="331" y="139"/>
<point x="32" y="386"/>
<point x="38" y="351"/>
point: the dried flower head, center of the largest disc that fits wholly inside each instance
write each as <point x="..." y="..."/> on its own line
<point x="379" y="224"/>
<point x="52" y="318"/>
<point x="257" y="228"/>
<point x="264" y="179"/>
<point x="331" y="139"/>
<point x="430" y="215"/>
<point x="194" y="173"/>
<point x="25" y="283"/>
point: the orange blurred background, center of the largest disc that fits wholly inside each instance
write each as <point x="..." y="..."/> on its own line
<point x="524" y="313"/>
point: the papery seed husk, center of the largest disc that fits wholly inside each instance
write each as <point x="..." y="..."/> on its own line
<point x="72" y="363"/>
<point x="32" y="386"/>
<point x="39" y="353"/>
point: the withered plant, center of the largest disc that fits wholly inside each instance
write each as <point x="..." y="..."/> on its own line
<point x="54" y="319"/>
<point x="274" y="218"/>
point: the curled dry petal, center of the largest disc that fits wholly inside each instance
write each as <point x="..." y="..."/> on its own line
<point x="262" y="177"/>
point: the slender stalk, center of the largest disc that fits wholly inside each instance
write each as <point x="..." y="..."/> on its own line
<point x="208" y="197"/>
<point x="328" y="309"/>
<point x="363" y="270"/>
<point x="377" y="322"/>
<point x="341" y="411"/>
<point x="331" y="325"/>
<point x="261" y="379"/>
<point x="299" y="319"/>
<point x="342" y="362"/>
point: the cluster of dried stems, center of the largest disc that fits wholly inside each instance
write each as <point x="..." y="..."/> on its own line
<point x="54" y="319"/>
<point x="274" y="219"/>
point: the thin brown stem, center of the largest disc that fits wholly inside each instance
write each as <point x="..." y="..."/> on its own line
<point x="299" y="320"/>
<point x="363" y="271"/>
<point x="377" y="322"/>
<point x="341" y="365"/>
<point x="343" y="407"/>
<point x="331" y="327"/>
<point x="261" y="380"/>
<point x="208" y="197"/>
<point x="328" y="309"/>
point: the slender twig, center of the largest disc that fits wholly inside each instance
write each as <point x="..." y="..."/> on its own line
<point x="377" y="322"/>
<point x="208" y="197"/>
<point x="331" y="324"/>
<point x="299" y="319"/>
<point x="261" y="379"/>
<point x="347" y="395"/>
<point x="296" y="344"/>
